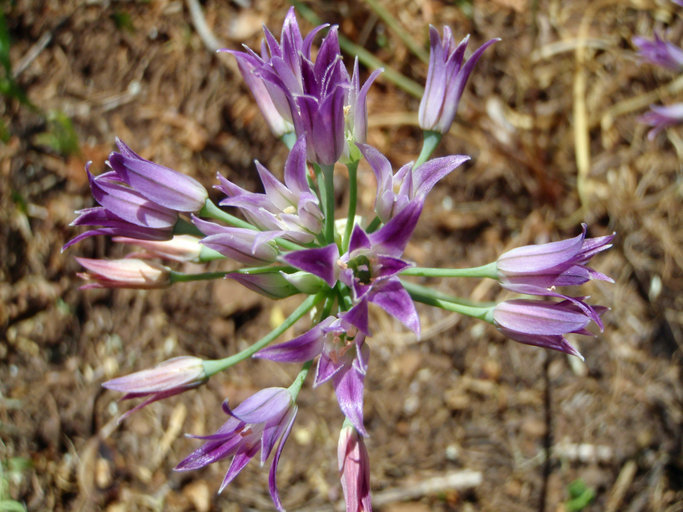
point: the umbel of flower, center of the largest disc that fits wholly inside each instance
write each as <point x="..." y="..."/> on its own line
<point x="256" y="424"/>
<point x="311" y="95"/>
<point x="138" y="198"/>
<point x="446" y="78"/>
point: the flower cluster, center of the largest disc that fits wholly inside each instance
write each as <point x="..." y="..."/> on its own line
<point x="289" y="243"/>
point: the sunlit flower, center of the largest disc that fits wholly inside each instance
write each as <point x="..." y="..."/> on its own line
<point x="316" y="96"/>
<point x="181" y="248"/>
<point x="290" y="210"/>
<point x="563" y="263"/>
<point x="395" y="191"/>
<point x="343" y="358"/>
<point x="446" y="78"/>
<point x="256" y="424"/>
<point x="543" y="324"/>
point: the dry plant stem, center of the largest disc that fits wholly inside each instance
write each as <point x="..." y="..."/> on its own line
<point x="199" y="22"/>
<point x="455" y="481"/>
<point x="395" y="25"/>
<point x="581" y="126"/>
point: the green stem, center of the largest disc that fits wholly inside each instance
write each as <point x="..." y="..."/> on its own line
<point x="372" y="227"/>
<point x="299" y="380"/>
<point x="179" y="277"/>
<point x="328" y="178"/>
<point x="212" y="367"/>
<point x="289" y="139"/>
<point x="439" y="300"/>
<point x="429" y="143"/>
<point x="183" y="227"/>
<point x="365" y="56"/>
<point x="270" y="269"/>
<point x="489" y="270"/>
<point x="206" y="254"/>
<point x="353" y="198"/>
<point x="212" y="211"/>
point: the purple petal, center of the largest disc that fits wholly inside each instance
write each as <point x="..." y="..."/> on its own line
<point x="394" y="235"/>
<point x="157" y="183"/>
<point x="348" y="386"/>
<point x="300" y="349"/>
<point x="239" y="461"/>
<point x="395" y="300"/>
<point x="272" y="483"/>
<point x="358" y="317"/>
<point x="320" y="262"/>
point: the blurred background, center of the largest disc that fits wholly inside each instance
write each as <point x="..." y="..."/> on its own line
<point x="461" y="420"/>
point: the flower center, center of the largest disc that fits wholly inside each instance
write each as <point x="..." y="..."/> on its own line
<point x="362" y="269"/>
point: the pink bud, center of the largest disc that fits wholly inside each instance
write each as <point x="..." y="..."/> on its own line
<point x="167" y="379"/>
<point x="354" y="469"/>
<point x="124" y="273"/>
<point x="180" y="248"/>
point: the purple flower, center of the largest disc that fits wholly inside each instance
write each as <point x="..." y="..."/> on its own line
<point x="354" y="470"/>
<point x="356" y="110"/>
<point x="169" y="378"/>
<point x="343" y="358"/>
<point x="313" y="95"/>
<point x="369" y="268"/>
<point x="256" y="424"/>
<point x="159" y="184"/>
<point x="247" y="246"/>
<point x="291" y="210"/>
<point x="446" y="78"/>
<point x="395" y="191"/>
<point x="248" y="66"/>
<point x="660" y="52"/>
<point x="124" y="273"/>
<point x="662" y="117"/>
<point x="138" y="199"/>
<point x="543" y="324"/>
<point x="123" y="212"/>
<point x="544" y="266"/>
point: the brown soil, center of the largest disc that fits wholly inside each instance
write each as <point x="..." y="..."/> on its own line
<point x="463" y="398"/>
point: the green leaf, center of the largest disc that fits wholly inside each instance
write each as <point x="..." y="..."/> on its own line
<point x="11" y="506"/>
<point x="60" y="134"/>
<point x="580" y="496"/>
<point x="123" y="21"/>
